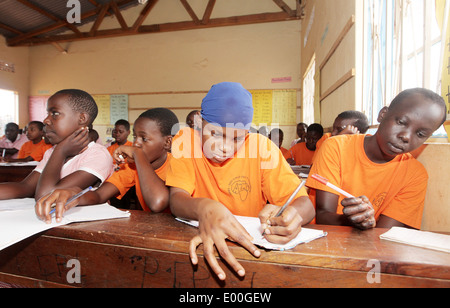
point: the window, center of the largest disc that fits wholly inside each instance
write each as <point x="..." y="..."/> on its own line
<point x="308" y="93"/>
<point x="402" y="49"/>
<point x="9" y="103"/>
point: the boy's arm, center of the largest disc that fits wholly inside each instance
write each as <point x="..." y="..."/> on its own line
<point x="216" y="224"/>
<point x="24" y="189"/>
<point x="156" y="193"/>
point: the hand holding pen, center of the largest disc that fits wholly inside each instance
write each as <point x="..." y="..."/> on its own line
<point x="58" y="201"/>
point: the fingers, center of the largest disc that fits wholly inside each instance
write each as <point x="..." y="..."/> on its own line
<point x="359" y="212"/>
<point x="54" y="203"/>
<point x="285" y="227"/>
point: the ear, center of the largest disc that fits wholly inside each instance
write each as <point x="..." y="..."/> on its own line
<point x="382" y="114"/>
<point x="168" y="143"/>
<point x="83" y="119"/>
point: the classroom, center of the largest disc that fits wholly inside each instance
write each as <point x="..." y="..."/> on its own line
<point x="302" y="61"/>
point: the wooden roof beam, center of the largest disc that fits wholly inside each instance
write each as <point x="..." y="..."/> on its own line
<point x="208" y="12"/>
<point x="190" y="11"/>
<point x="285" y="7"/>
<point x="143" y="15"/>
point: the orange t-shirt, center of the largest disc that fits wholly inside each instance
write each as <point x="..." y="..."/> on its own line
<point x="127" y="177"/>
<point x="243" y="183"/>
<point x="301" y="154"/>
<point x="33" y="150"/>
<point x="395" y="189"/>
<point x="285" y="152"/>
<point x="113" y="147"/>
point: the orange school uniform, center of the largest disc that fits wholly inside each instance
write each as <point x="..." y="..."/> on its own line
<point x="127" y="177"/>
<point x="395" y="189"/>
<point x="301" y="154"/>
<point x="29" y="148"/>
<point x="255" y="175"/>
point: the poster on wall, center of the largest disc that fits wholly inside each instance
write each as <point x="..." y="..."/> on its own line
<point x="37" y="107"/>
<point x="118" y="107"/>
<point x="103" y="104"/>
<point x="274" y="107"/>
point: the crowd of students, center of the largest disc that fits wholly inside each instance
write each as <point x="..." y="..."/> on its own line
<point x="214" y="168"/>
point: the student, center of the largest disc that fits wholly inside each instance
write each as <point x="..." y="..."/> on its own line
<point x="223" y="170"/>
<point x="390" y="182"/>
<point x="73" y="161"/>
<point x="13" y="141"/>
<point x="301" y="133"/>
<point x="30" y="149"/>
<point x="347" y="122"/>
<point x="277" y="136"/>
<point x="302" y="153"/>
<point x="191" y="119"/>
<point x="120" y="133"/>
<point x="145" y="162"/>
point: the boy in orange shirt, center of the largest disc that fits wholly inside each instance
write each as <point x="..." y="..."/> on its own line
<point x="35" y="133"/>
<point x="277" y="137"/>
<point x="223" y="170"/>
<point x="120" y="133"/>
<point x="146" y="162"/>
<point x="302" y="153"/>
<point x="390" y="182"/>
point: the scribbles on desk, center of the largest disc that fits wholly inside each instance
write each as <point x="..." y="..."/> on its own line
<point x="418" y="238"/>
<point x="20" y="224"/>
<point x="253" y="227"/>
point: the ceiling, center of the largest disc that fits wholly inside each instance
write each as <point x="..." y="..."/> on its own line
<point x="35" y="22"/>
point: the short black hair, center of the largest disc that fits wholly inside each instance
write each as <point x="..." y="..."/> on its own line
<point x="362" y="123"/>
<point x="81" y="101"/>
<point x="124" y="123"/>
<point x="39" y="124"/>
<point x="315" y="127"/>
<point x="166" y="119"/>
<point x="428" y="94"/>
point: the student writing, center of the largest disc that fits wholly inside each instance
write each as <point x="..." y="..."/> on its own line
<point x="303" y="152"/>
<point x="223" y="170"/>
<point x="143" y="165"/>
<point x="390" y="182"/>
<point x="73" y="161"/>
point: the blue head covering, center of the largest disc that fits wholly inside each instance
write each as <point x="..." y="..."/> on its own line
<point x="228" y="102"/>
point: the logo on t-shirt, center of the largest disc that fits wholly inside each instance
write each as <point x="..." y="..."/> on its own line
<point x="240" y="187"/>
<point x="378" y="200"/>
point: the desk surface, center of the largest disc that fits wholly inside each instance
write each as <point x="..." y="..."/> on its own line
<point x="150" y="250"/>
<point x="15" y="173"/>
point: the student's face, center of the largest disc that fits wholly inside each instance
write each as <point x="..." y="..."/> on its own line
<point x="301" y="131"/>
<point x="11" y="132"/>
<point x="34" y="133"/>
<point x="407" y="126"/>
<point x="61" y="120"/>
<point x="147" y="136"/>
<point x="220" y="143"/>
<point x="276" y="138"/>
<point x="311" y="140"/>
<point x="340" y="124"/>
<point x="120" y="133"/>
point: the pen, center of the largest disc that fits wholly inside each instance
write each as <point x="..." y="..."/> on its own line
<point x="4" y="152"/>
<point x="73" y="198"/>
<point x="324" y="181"/>
<point x="281" y="210"/>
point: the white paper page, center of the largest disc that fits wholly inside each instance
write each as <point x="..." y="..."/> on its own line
<point x="18" y="225"/>
<point x="17" y="204"/>
<point x="253" y="227"/>
<point x="418" y="238"/>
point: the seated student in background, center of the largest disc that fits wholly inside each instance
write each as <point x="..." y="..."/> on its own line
<point x="389" y="185"/>
<point x="277" y="136"/>
<point x="13" y="141"/>
<point x="302" y="153"/>
<point x="347" y="122"/>
<point x="73" y="160"/>
<point x="301" y="133"/>
<point x="30" y="149"/>
<point x="120" y="134"/>
<point x="191" y="119"/>
<point x="223" y="170"/>
<point x="145" y="162"/>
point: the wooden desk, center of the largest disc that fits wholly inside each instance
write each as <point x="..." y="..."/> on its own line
<point x="150" y="250"/>
<point x="14" y="173"/>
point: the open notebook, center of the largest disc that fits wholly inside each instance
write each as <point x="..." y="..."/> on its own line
<point x="19" y="221"/>
<point x="253" y="227"/>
